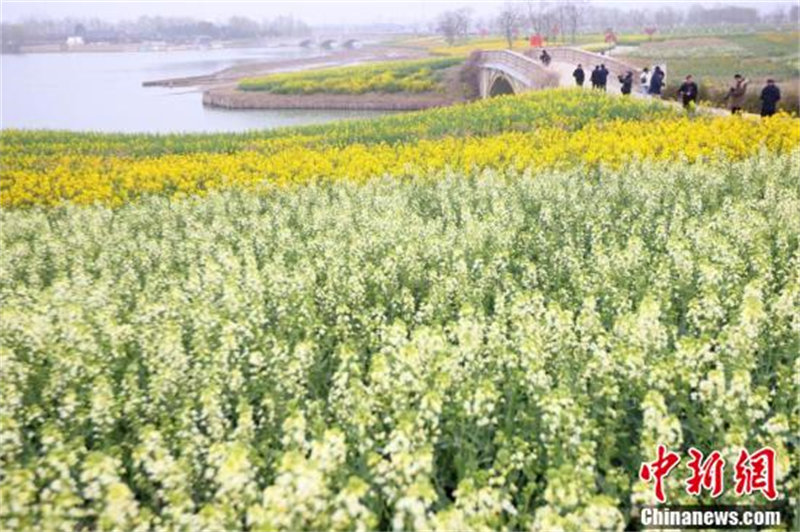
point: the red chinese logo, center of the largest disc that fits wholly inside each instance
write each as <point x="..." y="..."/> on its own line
<point x="659" y="469"/>
<point x="753" y="472"/>
<point x="705" y="474"/>
<point x="756" y="472"/>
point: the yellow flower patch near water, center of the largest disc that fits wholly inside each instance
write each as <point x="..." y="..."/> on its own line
<point x="86" y="179"/>
<point x="391" y="76"/>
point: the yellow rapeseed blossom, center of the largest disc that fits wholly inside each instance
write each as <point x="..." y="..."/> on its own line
<point x="100" y="170"/>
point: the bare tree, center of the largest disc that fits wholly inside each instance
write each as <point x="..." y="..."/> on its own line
<point x="668" y="18"/>
<point x="573" y="13"/>
<point x="243" y="28"/>
<point x="777" y="16"/>
<point x="539" y="17"/>
<point x="558" y="16"/>
<point x="509" y="21"/>
<point x="454" y="25"/>
<point x="638" y="18"/>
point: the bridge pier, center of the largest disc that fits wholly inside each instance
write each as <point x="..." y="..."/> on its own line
<point x="495" y="82"/>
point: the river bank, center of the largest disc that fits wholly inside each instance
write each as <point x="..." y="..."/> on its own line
<point x="231" y="75"/>
<point x="220" y="89"/>
<point x="233" y="98"/>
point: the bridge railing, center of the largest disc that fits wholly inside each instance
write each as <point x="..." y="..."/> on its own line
<point x="538" y="76"/>
<point x="588" y="59"/>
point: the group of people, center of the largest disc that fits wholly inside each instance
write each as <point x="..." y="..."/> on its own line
<point x="735" y="97"/>
<point x="598" y="78"/>
<point x="651" y="84"/>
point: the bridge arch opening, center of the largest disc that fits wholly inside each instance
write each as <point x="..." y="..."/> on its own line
<point x="501" y="86"/>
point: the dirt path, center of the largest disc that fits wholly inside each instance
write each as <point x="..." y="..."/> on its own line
<point x="565" y="80"/>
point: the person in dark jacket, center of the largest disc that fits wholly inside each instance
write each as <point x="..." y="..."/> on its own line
<point x="545" y="58"/>
<point x="595" y="79"/>
<point x="770" y="96"/>
<point x="656" y="81"/>
<point x="603" y="76"/>
<point x="627" y="82"/>
<point x="579" y="75"/>
<point x="688" y="91"/>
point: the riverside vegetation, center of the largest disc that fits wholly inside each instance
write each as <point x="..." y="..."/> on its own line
<point x="446" y="323"/>
<point x="394" y="76"/>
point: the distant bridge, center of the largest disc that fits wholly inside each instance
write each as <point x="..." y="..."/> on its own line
<point x="335" y="41"/>
<point x="509" y="72"/>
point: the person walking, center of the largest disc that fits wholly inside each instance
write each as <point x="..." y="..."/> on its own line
<point x="644" y="81"/>
<point x="688" y="92"/>
<point x="627" y="83"/>
<point x="595" y="78"/>
<point x="545" y="58"/>
<point x="736" y="94"/>
<point x="656" y="82"/>
<point x="770" y="96"/>
<point x="603" y="76"/>
<point x="579" y="75"/>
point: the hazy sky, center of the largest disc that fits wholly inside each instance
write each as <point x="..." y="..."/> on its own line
<point x="317" y="12"/>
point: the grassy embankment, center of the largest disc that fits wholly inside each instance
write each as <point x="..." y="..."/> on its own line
<point x="425" y="75"/>
<point x="388" y="85"/>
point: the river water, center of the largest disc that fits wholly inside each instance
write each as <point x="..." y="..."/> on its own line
<point x="103" y="92"/>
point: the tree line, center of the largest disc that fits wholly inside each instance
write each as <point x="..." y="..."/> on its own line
<point x="169" y="29"/>
<point x="566" y="19"/>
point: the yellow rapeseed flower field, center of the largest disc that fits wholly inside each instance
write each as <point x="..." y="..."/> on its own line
<point x="89" y="176"/>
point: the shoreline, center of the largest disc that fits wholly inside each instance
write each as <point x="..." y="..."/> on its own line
<point x="232" y="75"/>
<point x="220" y="89"/>
<point x="232" y="98"/>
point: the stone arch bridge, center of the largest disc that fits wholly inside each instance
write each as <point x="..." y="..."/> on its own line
<point x="509" y="72"/>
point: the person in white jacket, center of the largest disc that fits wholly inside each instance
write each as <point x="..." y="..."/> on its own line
<point x="644" y="81"/>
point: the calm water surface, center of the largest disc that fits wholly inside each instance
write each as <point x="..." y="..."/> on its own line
<point x="103" y="92"/>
